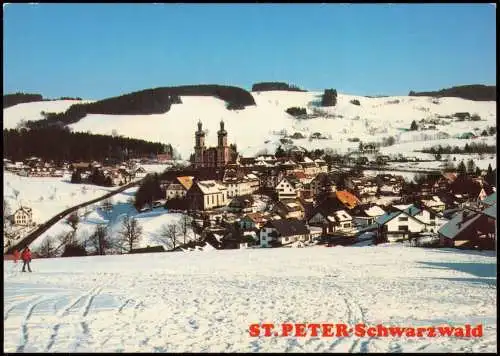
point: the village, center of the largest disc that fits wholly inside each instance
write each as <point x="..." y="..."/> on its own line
<point x="294" y="200"/>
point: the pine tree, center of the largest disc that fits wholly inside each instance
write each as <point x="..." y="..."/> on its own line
<point x="414" y="126"/>
<point x="461" y="169"/>
<point x="470" y="166"/>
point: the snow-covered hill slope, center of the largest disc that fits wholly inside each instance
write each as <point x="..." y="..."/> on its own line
<point x="151" y="223"/>
<point x="206" y="301"/>
<point x="13" y="115"/>
<point x="47" y="196"/>
<point x="257" y="127"/>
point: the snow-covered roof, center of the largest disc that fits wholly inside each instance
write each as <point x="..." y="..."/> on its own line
<point x="210" y="186"/>
<point x="491" y="211"/>
<point x="251" y="176"/>
<point x="308" y="160"/>
<point x="375" y="211"/>
<point x="458" y="223"/>
<point x="342" y="215"/>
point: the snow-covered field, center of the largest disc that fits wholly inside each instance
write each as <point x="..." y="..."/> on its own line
<point x="14" y="115"/>
<point x="205" y="301"/>
<point x="47" y="196"/>
<point x="93" y="215"/>
<point x="256" y="128"/>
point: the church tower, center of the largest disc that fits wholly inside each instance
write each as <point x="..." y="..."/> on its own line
<point x="222" y="147"/>
<point x="199" y="148"/>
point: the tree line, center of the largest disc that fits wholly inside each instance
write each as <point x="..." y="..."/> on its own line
<point x="474" y="147"/>
<point x="19" y="98"/>
<point x="269" y="86"/>
<point x="59" y="144"/>
<point x="471" y="92"/>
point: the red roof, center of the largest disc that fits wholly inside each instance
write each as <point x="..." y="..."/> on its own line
<point x="348" y="199"/>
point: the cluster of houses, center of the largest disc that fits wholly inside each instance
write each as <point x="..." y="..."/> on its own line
<point x="35" y="167"/>
<point x="268" y="201"/>
<point x="302" y="203"/>
<point x="118" y="173"/>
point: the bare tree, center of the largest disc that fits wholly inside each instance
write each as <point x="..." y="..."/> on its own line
<point x="99" y="240"/>
<point x="48" y="248"/>
<point x="131" y="232"/>
<point x="6" y="211"/>
<point x="107" y="205"/>
<point x="169" y="235"/>
<point x="16" y="193"/>
<point x="184" y="225"/>
<point x="73" y="220"/>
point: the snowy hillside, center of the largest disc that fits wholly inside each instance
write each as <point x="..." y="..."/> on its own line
<point x="47" y="196"/>
<point x="258" y="127"/>
<point x="13" y="115"/>
<point x="374" y="120"/>
<point x="92" y="216"/>
<point x="206" y="301"/>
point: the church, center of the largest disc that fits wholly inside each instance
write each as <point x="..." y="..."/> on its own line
<point x="213" y="157"/>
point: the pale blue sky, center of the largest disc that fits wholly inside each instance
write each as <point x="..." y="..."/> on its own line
<point x="100" y="50"/>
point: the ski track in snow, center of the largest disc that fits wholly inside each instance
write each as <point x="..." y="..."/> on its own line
<point x="205" y="302"/>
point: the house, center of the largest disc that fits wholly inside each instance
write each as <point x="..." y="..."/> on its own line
<point x="470" y="229"/>
<point x="207" y="194"/>
<point x="241" y="204"/>
<point x="322" y="165"/>
<point x="23" y="216"/>
<point x="397" y="225"/>
<point x="364" y="216"/>
<point x="179" y="187"/>
<point x="253" y="221"/>
<point x="333" y="214"/>
<point x="301" y="177"/>
<point x="349" y="200"/>
<point x="389" y="184"/>
<point x="288" y="166"/>
<point x="310" y="167"/>
<point x="282" y="232"/>
<point x="288" y="188"/>
<point x="322" y="183"/>
<point x="362" y="187"/>
<point x="435" y="203"/>
<point x="407" y="221"/>
<point x="163" y="157"/>
<point x="289" y="208"/>
<point x="241" y="185"/>
<point x="140" y="173"/>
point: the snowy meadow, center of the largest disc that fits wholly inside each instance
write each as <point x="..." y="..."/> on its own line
<point x="205" y="301"/>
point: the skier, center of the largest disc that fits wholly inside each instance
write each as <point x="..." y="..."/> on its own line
<point x="16" y="255"/>
<point x="26" y="256"/>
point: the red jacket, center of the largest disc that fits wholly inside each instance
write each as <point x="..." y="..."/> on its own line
<point x="26" y="256"/>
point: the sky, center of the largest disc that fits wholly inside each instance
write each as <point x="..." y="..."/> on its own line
<point x="96" y="51"/>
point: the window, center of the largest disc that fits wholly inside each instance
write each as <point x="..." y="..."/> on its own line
<point x="403" y="228"/>
<point x="403" y="218"/>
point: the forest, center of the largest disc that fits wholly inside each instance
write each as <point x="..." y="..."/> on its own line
<point x="474" y="92"/>
<point x="60" y="144"/>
